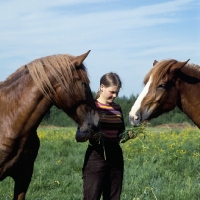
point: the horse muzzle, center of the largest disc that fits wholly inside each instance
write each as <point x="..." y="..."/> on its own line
<point x="135" y="120"/>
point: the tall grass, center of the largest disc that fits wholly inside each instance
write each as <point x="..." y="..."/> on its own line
<point x="163" y="166"/>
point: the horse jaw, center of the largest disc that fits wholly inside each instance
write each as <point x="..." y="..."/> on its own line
<point x="135" y="117"/>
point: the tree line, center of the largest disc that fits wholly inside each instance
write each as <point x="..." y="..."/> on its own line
<point x="57" y="117"/>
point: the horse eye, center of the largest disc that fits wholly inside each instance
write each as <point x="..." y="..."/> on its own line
<point x="84" y="85"/>
<point x="162" y="86"/>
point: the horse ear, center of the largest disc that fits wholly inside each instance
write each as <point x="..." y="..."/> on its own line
<point x="155" y="62"/>
<point x="77" y="61"/>
<point x="178" y="65"/>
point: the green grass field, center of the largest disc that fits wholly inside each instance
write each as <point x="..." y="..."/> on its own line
<point x="163" y="166"/>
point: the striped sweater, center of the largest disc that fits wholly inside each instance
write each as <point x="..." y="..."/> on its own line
<point x="111" y="121"/>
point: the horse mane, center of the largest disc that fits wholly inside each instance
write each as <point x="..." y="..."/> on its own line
<point x="159" y="70"/>
<point x="61" y="68"/>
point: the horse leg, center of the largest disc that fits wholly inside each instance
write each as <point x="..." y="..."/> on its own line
<point x="22" y="181"/>
<point x="24" y="169"/>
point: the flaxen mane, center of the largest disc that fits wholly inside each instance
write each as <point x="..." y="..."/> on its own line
<point x="61" y="68"/>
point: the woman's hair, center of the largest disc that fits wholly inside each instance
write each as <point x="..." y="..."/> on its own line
<point x="108" y="80"/>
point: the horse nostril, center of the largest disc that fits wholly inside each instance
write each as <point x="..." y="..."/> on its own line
<point x="89" y="125"/>
<point x="136" y="117"/>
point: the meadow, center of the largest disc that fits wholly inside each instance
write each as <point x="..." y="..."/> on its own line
<point x="163" y="165"/>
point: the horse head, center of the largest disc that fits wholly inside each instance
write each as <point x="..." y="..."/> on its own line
<point x="160" y="93"/>
<point x="64" y="82"/>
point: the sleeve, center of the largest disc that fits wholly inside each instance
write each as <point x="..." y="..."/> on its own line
<point x="80" y="136"/>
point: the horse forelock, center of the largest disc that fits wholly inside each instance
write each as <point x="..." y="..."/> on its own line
<point x="61" y="68"/>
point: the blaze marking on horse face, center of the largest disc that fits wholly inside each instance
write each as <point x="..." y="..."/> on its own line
<point x="137" y="103"/>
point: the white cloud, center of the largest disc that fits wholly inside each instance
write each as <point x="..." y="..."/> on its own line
<point x="118" y="37"/>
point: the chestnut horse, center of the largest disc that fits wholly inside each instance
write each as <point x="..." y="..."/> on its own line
<point x="168" y="84"/>
<point x="26" y="96"/>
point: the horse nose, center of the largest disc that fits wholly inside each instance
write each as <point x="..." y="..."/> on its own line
<point x="135" y="120"/>
<point x="136" y="117"/>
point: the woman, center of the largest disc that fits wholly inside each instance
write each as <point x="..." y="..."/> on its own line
<point x="103" y="165"/>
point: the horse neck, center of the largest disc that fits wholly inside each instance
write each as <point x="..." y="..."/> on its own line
<point x="189" y="94"/>
<point x="22" y="105"/>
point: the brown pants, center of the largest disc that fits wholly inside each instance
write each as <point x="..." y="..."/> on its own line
<point x="100" y="176"/>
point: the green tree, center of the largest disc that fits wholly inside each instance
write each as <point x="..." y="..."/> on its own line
<point x="58" y="118"/>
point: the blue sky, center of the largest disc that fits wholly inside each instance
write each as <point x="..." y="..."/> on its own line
<point x="124" y="36"/>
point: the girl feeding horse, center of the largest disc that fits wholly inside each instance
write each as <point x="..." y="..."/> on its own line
<point x="103" y="165"/>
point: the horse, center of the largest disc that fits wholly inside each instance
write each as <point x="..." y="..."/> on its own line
<point x="26" y="96"/>
<point x="168" y="84"/>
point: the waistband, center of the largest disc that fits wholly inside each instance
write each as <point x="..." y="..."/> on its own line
<point x="103" y="143"/>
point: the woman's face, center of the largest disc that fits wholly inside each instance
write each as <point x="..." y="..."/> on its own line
<point x="109" y="93"/>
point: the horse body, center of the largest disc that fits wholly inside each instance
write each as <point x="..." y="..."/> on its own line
<point x="25" y="97"/>
<point x="18" y="120"/>
<point x="168" y="84"/>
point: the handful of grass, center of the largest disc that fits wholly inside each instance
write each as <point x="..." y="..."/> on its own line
<point x="132" y="133"/>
